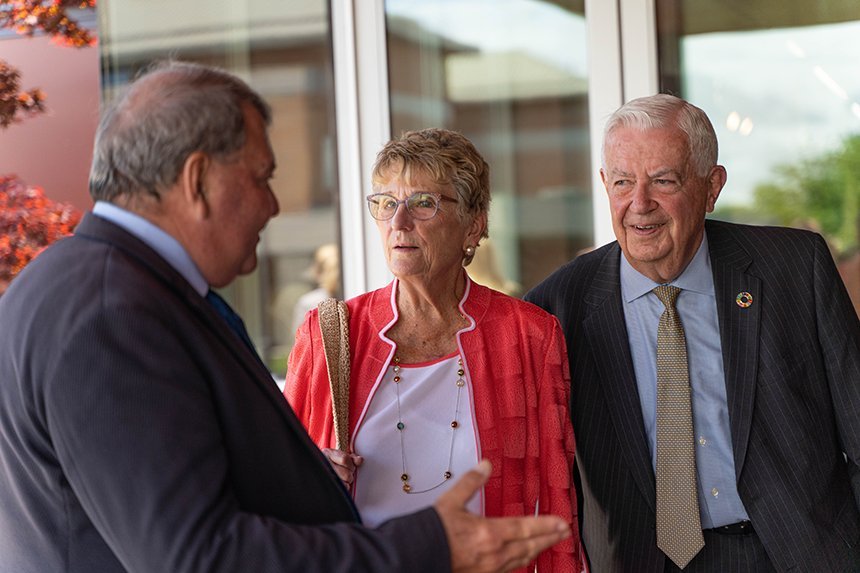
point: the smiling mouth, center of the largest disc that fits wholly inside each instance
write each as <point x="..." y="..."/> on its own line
<point x="647" y="227"/>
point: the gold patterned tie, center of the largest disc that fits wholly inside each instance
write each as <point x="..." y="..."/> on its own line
<point x="679" y="527"/>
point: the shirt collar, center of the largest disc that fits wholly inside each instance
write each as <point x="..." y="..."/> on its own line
<point x="157" y="239"/>
<point x="697" y="277"/>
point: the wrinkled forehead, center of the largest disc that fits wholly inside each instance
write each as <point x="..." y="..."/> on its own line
<point x="402" y="173"/>
<point x="653" y="147"/>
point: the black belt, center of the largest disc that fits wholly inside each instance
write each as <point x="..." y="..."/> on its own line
<point x="739" y="528"/>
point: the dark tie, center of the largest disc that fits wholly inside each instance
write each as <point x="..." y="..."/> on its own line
<point x="679" y="529"/>
<point x="236" y="324"/>
<point x="234" y="321"/>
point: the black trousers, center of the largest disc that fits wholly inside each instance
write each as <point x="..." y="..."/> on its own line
<point x="728" y="553"/>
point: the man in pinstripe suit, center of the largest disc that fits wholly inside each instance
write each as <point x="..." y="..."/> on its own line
<point x="773" y="348"/>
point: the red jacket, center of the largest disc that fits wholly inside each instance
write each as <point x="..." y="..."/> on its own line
<point x="516" y="362"/>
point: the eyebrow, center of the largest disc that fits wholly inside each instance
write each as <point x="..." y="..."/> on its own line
<point x="377" y="191"/>
<point x="619" y="173"/>
<point x="656" y="174"/>
<point x="664" y="171"/>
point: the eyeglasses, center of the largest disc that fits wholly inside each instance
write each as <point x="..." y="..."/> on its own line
<point x="422" y="205"/>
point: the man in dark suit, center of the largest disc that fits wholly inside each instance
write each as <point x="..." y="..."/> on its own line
<point x="139" y="431"/>
<point x="771" y="399"/>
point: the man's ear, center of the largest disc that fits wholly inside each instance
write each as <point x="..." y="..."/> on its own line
<point x="604" y="178"/>
<point x="192" y="182"/>
<point x="716" y="181"/>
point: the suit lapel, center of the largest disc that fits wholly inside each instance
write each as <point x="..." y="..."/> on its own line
<point x="100" y="229"/>
<point x="248" y="360"/>
<point x="606" y="333"/>
<point x="739" y="332"/>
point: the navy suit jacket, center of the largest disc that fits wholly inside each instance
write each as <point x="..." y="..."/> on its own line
<point x="792" y="368"/>
<point x="138" y="433"/>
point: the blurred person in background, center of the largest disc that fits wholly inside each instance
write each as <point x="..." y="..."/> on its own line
<point x="325" y="275"/>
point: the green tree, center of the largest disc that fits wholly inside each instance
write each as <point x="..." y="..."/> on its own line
<point x="821" y="192"/>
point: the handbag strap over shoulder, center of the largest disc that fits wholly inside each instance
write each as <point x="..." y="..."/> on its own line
<point x="334" y="327"/>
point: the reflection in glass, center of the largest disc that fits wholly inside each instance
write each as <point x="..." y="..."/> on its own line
<point x="779" y="81"/>
<point x="283" y="50"/>
<point x="511" y="76"/>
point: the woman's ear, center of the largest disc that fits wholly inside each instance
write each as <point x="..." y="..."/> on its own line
<point x="193" y="183"/>
<point x="477" y="229"/>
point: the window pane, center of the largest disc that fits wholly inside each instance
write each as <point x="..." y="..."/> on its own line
<point x="283" y="49"/>
<point x="511" y="76"/>
<point x="779" y="80"/>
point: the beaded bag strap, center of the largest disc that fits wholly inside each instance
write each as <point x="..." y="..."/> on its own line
<point x="334" y="327"/>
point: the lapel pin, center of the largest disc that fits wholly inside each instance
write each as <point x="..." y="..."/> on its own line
<point x="744" y="299"/>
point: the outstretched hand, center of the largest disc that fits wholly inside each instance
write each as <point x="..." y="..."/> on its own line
<point x="485" y="545"/>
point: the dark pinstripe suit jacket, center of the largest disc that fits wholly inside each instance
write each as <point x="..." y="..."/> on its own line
<point x="792" y="366"/>
<point x="138" y="433"/>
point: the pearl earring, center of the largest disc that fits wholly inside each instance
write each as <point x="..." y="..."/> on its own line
<point x="470" y="251"/>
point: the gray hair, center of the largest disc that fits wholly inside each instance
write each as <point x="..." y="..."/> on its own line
<point x="662" y="111"/>
<point x="447" y="157"/>
<point x="172" y="110"/>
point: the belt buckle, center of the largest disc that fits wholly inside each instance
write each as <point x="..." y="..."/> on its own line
<point x="739" y="528"/>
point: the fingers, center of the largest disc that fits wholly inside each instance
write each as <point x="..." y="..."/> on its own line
<point x="480" y="545"/>
<point x="503" y="544"/>
<point x="519" y="552"/>
<point x="342" y="458"/>
<point x="343" y="463"/>
<point x="513" y="528"/>
<point x="523" y="539"/>
<point x="467" y="486"/>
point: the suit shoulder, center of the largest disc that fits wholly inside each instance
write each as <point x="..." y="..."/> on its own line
<point x="766" y="242"/>
<point x="761" y="232"/>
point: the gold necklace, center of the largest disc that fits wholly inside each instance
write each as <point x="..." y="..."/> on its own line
<point x="401" y="426"/>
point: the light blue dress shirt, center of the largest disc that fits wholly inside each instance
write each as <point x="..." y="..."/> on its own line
<point x="719" y="502"/>
<point x="157" y="239"/>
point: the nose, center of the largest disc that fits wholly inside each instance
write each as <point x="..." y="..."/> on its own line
<point x="640" y="200"/>
<point x="275" y="205"/>
<point x="402" y="219"/>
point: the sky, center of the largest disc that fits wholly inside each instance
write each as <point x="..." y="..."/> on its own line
<point x="798" y="87"/>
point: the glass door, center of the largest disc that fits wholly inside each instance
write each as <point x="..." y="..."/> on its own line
<point x="779" y="81"/>
<point x="283" y="49"/>
<point x="513" y="77"/>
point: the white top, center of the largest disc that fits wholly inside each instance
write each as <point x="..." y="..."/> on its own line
<point x="428" y="400"/>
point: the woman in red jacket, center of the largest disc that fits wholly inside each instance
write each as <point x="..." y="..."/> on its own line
<point x="444" y="372"/>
